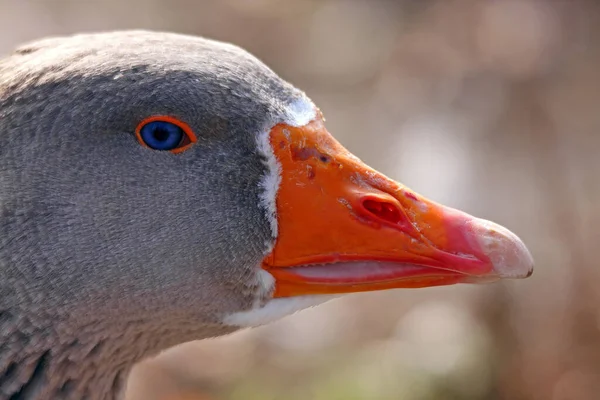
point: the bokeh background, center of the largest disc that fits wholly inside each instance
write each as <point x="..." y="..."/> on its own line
<point x="490" y="106"/>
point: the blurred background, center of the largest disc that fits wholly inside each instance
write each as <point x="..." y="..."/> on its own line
<point x="490" y="106"/>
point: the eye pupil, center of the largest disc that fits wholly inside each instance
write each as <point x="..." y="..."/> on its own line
<point x="161" y="134"/>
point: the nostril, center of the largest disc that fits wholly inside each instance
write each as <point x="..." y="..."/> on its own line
<point x="383" y="210"/>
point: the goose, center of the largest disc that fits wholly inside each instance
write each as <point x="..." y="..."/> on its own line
<point x="159" y="188"/>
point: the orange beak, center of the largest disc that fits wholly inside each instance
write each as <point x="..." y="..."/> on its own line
<point x="344" y="227"/>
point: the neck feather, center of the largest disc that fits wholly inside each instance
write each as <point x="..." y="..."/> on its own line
<point x="51" y="357"/>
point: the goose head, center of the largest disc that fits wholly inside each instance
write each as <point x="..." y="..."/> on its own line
<point x="159" y="188"/>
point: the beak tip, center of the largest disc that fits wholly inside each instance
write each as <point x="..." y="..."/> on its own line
<point x="507" y="252"/>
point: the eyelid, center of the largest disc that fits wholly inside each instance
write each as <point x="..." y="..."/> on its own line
<point x="189" y="133"/>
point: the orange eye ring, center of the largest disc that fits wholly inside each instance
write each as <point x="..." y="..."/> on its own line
<point x="187" y="140"/>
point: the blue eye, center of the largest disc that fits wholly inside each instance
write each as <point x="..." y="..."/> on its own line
<point x="160" y="135"/>
<point x="165" y="133"/>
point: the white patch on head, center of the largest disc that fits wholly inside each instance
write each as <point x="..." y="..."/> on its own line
<point x="266" y="286"/>
<point x="269" y="183"/>
<point x="300" y="112"/>
<point x="273" y="310"/>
